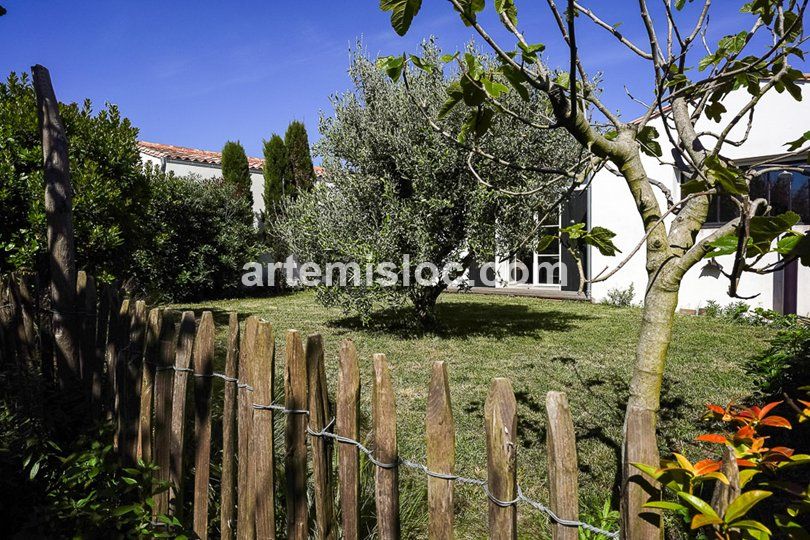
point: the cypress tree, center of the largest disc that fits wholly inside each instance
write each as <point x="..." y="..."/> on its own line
<point x="301" y="173"/>
<point x="275" y="171"/>
<point x="235" y="169"/>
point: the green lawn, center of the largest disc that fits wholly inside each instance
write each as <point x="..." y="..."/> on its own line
<point x="540" y="345"/>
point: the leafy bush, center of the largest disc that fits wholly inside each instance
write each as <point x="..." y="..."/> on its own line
<point x="712" y="309"/>
<point x="75" y="488"/>
<point x="109" y="186"/>
<point x="620" y="297"/>
<point x="785" y="366"/>
<point x="605" y="517"/>
<point x="201" y="236"/>
<point x="724" y="500"/>
<point x="740" y="312"/>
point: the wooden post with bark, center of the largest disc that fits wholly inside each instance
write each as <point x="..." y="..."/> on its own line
<point x="321" y="447"/>
<point x="295" y="458"/>
<point x="500" y="420"/>
<point x="348" y="425"/>
<point x="164" y="384"/>
<point x="203" y="369"/>
<point x="59" y="217"/>
<point x="185" y="349"/>
<point x="245" y="519"/>
<point x="386" y="479"/>
<point x="263" y="455"/>
<point x="229" y="408"/>
<point x="86" y="325"/>
<point x="441" y="454"/>
<point x="562" y="464"/>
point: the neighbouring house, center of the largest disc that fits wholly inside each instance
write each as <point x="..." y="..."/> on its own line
<point x="184" y="161"/>
<point x="778" y="118"/>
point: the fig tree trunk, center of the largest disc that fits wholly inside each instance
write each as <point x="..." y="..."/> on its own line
<point x="640" y="445"/>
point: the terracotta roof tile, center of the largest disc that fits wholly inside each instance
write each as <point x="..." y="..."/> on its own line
<point x="190" y="154"/>
<point x="181" y="153"/>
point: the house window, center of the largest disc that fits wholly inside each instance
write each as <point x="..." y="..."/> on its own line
<point x="784" y="191"/>
<point x="543" y="266"/>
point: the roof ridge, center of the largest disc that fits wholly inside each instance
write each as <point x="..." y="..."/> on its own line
<point x="197" y="155"/>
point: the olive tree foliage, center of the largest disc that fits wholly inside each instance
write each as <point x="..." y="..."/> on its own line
<point x="687" y="80"/>
<point x="394" y="186"/>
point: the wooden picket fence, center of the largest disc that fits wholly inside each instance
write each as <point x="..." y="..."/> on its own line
<point x="136" y="368"/>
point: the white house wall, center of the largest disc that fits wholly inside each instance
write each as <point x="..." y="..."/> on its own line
<point x="203" y="170"/>
<point x="778" y="119"/>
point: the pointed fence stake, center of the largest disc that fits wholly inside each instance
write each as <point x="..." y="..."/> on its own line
<point x="246" y="514"/>
<point x="228" y="494"/>
<point x="563" y="484"/>
<point x="441" y="454"/>
<point x="295" y="458"/>
<point x="151" y="358"/>
<point x="500" y="419"/>
<point x="348" y="425"/>
<point x="203" y="368"/>
<point x="185" y="348"/>
<point x="386" y="479"/>
<point x="164" y="385"/>
<point x="263" y="459"/>
<point x="321" y="448"/>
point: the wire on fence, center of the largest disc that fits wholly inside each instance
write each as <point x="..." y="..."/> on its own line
<point x="325" y="433"/>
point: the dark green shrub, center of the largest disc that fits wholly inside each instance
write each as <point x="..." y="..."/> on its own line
<point x="236" y="170"/>
<point x="109" y="185"/>
<point x="785" y="366"/>
<point x="275" y="171"/>
<point x="201" y="236"/>
<point x="301" y="173"/>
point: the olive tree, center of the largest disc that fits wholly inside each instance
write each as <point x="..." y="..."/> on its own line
<point x="684" y="86"/>
<point x="393" y="186"/>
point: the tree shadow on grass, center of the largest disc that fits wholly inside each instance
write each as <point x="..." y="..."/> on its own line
<point x="466" y="319"/>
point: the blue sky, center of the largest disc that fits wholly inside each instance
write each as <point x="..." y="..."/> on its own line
<point x="197" y="73"/>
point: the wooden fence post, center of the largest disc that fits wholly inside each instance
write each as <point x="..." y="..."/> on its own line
<point x="228" y="488"/>
<point x="441" y="453"/>
<point x="347" y="424"/>
<point x="5" y="328"/>
<point x="245" y="519"/>
<point x="119" y="324"/>
<point x="386" y="479"/>
<point x="59" y="216"/>
<point x="185" y="348"/>
<point x="102" y="329"/>
<point x="44" y="321"/>
<point x="295" y="458"/>
<point x="86" y="324"/>
<point x="203" y="368"/>
<point x="321" y="449"/>
<point x="26" y="335"/>
<point x="6" y="311"/>
<point x="164" y="384"/>
<point x="130" y="387"/>
<point x="638" y="522"/>
<point x="563" y="484"/>
<point x="500" y="419"/>
<point x="151" y="359"/>
<point x="121" y="352"/>
<point x="263" y="455"/>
